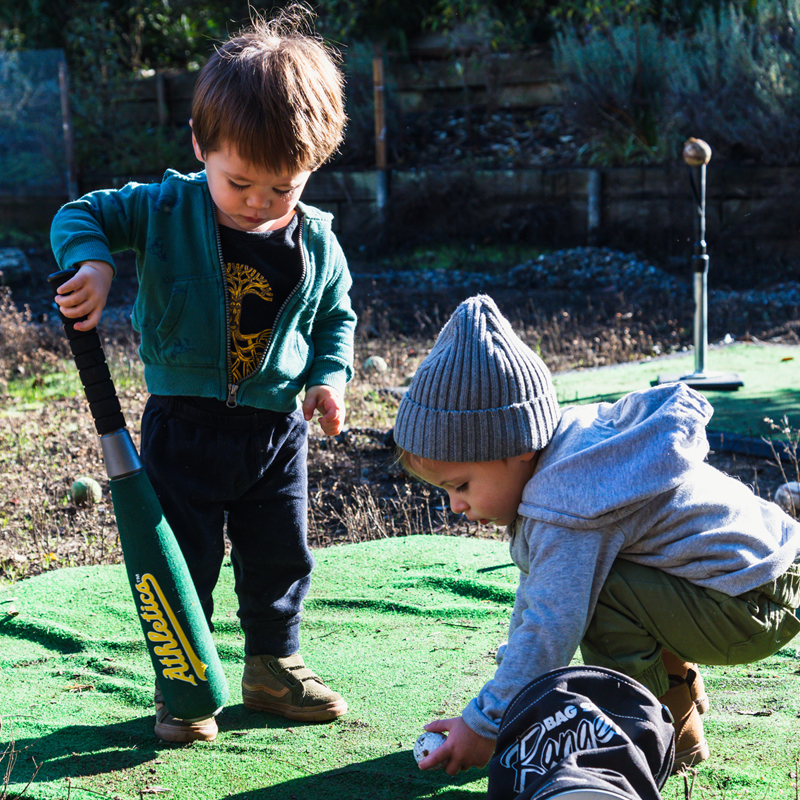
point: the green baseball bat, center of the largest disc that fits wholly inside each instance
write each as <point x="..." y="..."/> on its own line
<point x="176" y="632"/>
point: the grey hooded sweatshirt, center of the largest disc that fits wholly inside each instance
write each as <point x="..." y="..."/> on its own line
<point x="625" y="480"/>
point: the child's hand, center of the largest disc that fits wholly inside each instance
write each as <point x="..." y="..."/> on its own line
<point x="85" y="294"/>
<point x="463" y="749"/>
<point x="330" y="406"/>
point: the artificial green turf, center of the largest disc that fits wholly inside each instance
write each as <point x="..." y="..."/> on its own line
<point x="770" y="372"/>
<point x="404" y="628"/>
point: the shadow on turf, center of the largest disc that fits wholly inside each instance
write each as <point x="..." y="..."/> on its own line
<point x="79" y="751"/>
<point x="86" y="751"/>
<point x="390" y="777"/>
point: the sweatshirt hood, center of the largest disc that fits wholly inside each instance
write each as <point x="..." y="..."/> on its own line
<point x="626" y="452"/>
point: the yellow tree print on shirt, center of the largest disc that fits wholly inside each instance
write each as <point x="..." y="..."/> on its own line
<point x="246" y="349"/>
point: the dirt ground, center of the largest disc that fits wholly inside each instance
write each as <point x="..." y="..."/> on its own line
<point x="356" y="490"/>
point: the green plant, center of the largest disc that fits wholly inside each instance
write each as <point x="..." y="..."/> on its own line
<point x="496" y="26"/>
<point x="13" y="236"/>
<point x="617" y="83"/>
<point x="448" y="256"/>
<point x="31" y="146"/>
<point x="670" y="15"/>
<point x="603" y="15"/>
<point x="110" y="141"/>
<point x="611" y="151"/>
<point x="736" y="81"/>
<point x="639" y="89"/>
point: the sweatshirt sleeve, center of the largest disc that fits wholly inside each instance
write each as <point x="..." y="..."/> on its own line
<point x="555" y="600"/>
<point x="97" y="225"/>
<point x="334" y="327"/>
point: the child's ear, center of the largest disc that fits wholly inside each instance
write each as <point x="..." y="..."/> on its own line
<point x="197" y="151"/>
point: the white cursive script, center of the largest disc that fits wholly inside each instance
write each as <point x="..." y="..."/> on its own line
<point x="543" y="745"/>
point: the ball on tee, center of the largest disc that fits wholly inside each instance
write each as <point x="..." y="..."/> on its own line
<point x="696" y="152"/>
<point x="86" y="491"/>
<point x="426" y="743"/>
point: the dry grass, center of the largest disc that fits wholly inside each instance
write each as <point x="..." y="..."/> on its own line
<point x="26" y="349"/>
<point x="357" y="492"/>
<point x="47" y="440"/>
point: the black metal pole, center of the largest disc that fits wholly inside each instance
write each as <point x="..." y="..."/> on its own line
<point x="697" y="154"/>
<point x="696" y="151"/>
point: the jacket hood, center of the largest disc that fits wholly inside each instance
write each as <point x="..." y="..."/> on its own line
<point x="625" y="453"/>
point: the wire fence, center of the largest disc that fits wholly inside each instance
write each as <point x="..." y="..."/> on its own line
<point x="33" y="156"/>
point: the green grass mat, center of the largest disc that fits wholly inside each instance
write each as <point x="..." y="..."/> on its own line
<point x="405" y="628"/>
<point x="771" y="376"/>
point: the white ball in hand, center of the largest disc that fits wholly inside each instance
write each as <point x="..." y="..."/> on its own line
<point x="426" y="744"/>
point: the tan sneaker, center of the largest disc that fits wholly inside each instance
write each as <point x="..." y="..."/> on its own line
<point x="691" y="674"/>
<point x="181" y="731"/>
<point x="690" y="742"/>
<point x="287" y="687"/>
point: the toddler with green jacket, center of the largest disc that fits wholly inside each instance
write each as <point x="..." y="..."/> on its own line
<point x="242" y="308"/>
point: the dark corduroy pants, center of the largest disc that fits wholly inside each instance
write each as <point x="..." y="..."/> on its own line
<point x="244" y="474"/>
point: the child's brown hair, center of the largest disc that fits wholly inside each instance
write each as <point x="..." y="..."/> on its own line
<point x="406" y="461"/>
<point x="274" y="93"/>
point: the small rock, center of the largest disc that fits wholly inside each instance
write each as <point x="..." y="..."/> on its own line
<point x="787" y="496"/>
<point x="375" y="364"/>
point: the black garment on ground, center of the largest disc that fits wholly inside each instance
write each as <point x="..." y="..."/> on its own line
<point x="581" y="729"/>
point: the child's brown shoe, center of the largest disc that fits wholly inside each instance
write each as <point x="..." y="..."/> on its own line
<point x="287" y="687"/>
<point x="690" y="742"/>
<point x="181" y="731"/>
<point x="691" y="674"/>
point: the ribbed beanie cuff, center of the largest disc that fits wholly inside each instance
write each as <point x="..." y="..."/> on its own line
<point x="481" y="394"/>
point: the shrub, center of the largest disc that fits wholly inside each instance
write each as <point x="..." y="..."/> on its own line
<point x="639" y="92"/>
<point x="735" y="82"/>
<point x="617" y="84"/>
<point x="26" y="347"/>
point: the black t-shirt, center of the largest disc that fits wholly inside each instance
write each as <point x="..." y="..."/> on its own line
<point x="261" y="271"/>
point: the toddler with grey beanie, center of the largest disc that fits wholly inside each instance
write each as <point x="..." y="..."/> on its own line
<point x="627" y="541"/>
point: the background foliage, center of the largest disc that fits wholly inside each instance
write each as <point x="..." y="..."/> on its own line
<point x="640" y="87"/>
<point x="639" y="75"/>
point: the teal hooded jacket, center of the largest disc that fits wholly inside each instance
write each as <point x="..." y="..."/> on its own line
<point x="181" y="310"/>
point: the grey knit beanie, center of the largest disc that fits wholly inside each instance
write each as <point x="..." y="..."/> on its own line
<point x="481" y="394"/>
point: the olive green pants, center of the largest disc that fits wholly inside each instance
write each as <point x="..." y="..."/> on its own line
<point x="641" y="609"/>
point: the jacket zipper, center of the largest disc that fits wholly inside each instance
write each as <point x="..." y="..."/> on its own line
<point x="233" y="388"/>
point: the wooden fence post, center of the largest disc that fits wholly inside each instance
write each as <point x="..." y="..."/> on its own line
<point x="66" y="124"/>
<point x="380" y="127"/>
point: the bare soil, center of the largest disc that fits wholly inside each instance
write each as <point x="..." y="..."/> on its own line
<point x="357" y="492"/>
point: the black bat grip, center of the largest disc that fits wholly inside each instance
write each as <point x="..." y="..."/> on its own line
<point x="92" y="368"/>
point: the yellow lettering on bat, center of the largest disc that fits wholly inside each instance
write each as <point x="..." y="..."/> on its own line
<point x="174" y="651"/>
